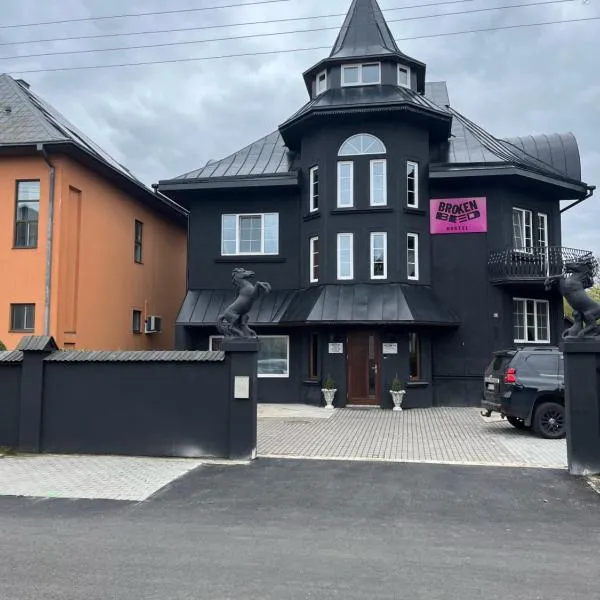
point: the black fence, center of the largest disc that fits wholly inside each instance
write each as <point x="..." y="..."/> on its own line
<point x="582" y="404"/>
<point x="177" y="404"/>
<point x="533" y="263"/>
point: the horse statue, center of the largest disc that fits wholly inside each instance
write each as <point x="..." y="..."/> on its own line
<point x="577" y="276"/>
<point x="233" y="322"/>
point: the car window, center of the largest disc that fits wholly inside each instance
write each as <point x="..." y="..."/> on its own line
<point x="543" y="364"/>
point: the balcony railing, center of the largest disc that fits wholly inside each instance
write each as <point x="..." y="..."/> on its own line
<point x="532" y="263"/>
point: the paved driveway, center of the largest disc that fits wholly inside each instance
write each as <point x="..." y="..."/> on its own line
<point x="434" y="435"/>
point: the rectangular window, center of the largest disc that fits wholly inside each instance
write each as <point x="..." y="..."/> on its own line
<point x="136" y="321"/>
<point x="314" y="189"/>
<point x="314" y="259"/>
<point x="403" y="76"/>
<point x="542" y="223"/>
<point x="250" y="234"/>
<point x="414" y="356"/>
<point x="378" y="182"/>
<point x="531" y="320"/>
<point x="138" y="241"/>
<point x="345" y="255"/>
<point x="345" y="185"/>
<point x="22" y="317"/>
<point x="412" y="255"/>
<point x="378" y="255"/>
<point x="365" y="74"/>
<point x="321" y="82"/>
<point x="313" y="365"/>
<point x="412" y="184"/>
<point x="27" y="214"/>
<point x="273" y="354"/>
<point x="522" y="230"/>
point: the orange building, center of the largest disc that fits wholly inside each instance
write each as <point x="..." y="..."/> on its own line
<point x="88" y="253"/>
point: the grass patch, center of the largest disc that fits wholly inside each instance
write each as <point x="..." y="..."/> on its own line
<point x="6" y="451"/>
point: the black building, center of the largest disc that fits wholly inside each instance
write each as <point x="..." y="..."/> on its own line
<point x="399" y="236"/>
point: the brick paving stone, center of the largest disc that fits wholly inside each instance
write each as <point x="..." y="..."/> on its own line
<point x="437" y="435"/>
<point x="92" y="477"/>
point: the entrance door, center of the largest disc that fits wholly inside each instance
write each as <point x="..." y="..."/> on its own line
<point x="363" y="368"/>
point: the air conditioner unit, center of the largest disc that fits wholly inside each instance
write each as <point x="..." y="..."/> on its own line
<point x="153" y="324"/>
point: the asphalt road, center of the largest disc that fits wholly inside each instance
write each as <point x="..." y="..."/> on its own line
<point x="279" y="530"/>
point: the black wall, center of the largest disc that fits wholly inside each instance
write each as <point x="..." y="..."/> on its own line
<point x="154" y="409"/>
<point x="10" y="392"/>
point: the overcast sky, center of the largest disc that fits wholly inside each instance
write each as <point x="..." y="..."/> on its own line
<point x="164" y="120"/>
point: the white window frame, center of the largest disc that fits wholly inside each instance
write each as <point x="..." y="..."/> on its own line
<point x="415" y="237"/>
<point x="340" y="236"/>
<point x="527" y="242"/>
<point x="262" y="375"/>
<point x="358" y="149"/>
<point x="311" y="245"/>
<point x="408" y="73"/>
<point x="542" y="225"/>
<point x="372" y="164"/>
<point x="312" y="206"/>
<point x="238" y="216"/>
<point x="536" y="302"/>
<point x="372" y="257"/>
<point x="317" y="90"/>
<point x="360" y="70"/>
<point x="415" y="204"/>
<point x="339" y="189"/>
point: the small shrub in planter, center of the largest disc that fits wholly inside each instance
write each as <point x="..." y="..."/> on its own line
<point x="397" y="391"/>
<point x="329" y="391"/>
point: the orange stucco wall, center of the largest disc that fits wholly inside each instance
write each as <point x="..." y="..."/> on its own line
<point x="96" y="284"/>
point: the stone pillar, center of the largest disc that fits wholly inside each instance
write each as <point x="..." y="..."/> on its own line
<point x="243" y="364"/>
<point x="582" y="405"/>
<point x="35" y="349"/>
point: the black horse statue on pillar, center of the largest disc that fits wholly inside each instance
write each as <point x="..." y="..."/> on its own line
<point x="233" y="322"/>
<point x="577" y="276"/>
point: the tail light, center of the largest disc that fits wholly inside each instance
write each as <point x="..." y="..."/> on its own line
<point x="511" y="376"/>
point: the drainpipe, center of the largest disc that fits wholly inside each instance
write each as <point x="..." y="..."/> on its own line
<point x="49" y="232"/>
<point x="589" y="194"/>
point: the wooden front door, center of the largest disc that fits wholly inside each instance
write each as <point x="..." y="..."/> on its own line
<point x="363" y="367"/>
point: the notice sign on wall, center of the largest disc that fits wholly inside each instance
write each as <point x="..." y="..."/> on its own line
<point x="459" y="215"/>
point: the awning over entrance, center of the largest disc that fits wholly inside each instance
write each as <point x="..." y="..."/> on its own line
<point x="393" y="303"/>
<point x="203" y="307"/>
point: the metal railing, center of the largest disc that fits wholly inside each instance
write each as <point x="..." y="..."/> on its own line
<point x="532" y="263"/>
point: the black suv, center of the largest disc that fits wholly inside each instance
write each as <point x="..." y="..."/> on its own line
<point x="527" y="387"/>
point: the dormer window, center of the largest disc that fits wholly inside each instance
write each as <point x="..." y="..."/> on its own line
<point x="321" y="82"/>
<point x="403" y="76"/>
<point x="365" y="74"/>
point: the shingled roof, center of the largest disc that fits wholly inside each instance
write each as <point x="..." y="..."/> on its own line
<point x="26" y="120"/>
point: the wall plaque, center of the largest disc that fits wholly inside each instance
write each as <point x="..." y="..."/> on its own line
<point x="390" y="348"/>
<point x="336" y="348"/>
<point x="458" y="215"/>
<point x="241" y="387"/>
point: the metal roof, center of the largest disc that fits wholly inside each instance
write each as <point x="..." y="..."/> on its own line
<point x="364" y="32"/>
<point x="26" y="119"/>
<point x="136" y="356"/>
<point x="204" y="307"/>
<point x="11" y="356"/>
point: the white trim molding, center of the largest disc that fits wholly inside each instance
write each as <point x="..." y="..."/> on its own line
<point x="230" y="234"/>
<point x="314" y="252"/>
<point x="314" y="189"/>
<point x="403" y="69"/>
<point x="412" y="175"/>
<point x="382" y="200"/>
<point x="321" y="84"/>
<point x="360" y="79"/>
<point x="526" y="321"/>
<point x="349" y="240"/>
<point x="412" y="266"/>
<point x="349" y="176"/>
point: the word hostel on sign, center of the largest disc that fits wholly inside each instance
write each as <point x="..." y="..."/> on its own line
<point x="459" y="215"/>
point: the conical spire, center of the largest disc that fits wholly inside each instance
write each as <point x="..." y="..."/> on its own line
<point x="364" y="32"/>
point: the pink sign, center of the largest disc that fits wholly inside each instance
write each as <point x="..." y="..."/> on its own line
<point x="458" y="215"/>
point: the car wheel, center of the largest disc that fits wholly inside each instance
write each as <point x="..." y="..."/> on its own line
<point x="549" y="420"/>
<point x="518" y="423"/>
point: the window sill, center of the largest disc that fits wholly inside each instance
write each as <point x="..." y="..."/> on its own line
<point x="312" y="215"/>
<point x="417" y="384"/>
<point x="409" y="210"/>
<point x="312" y="382"/>
<point x="28" y="331"/>
<point x="361" y="211"/>
<point x="255" y="258"/>
<point x="25" y="247"/>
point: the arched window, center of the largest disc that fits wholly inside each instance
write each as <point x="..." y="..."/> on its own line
<point x="362" y="143"/>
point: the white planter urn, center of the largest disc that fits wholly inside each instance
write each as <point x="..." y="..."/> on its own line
<point x="329" y="395"/>
<point x="398" y="398"/>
